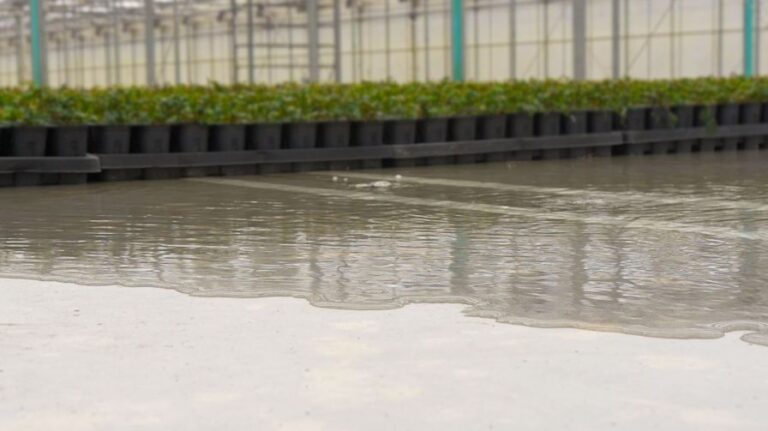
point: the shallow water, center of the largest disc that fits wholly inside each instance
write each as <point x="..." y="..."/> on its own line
<point x="669" y="246"/>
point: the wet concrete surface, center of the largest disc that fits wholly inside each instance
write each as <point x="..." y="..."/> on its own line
<point x="77" y="358"/>
<point x="668" y="246"/>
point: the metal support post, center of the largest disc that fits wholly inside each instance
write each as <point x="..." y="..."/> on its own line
<point x="457" y="39"/>
<point x="749" y="37"/>
<point x="107" y="58"/>
<point x="513" y="39"/>
<point x="387" y="43"/>
<point x="20" y="49"/>
<point x="616" y="39"/>
<point x="720" y="19"/>
<point x="336" y="40"/>
<point x="232" y="40"/>
<point x="116" y="41"/>
<point x="249" y="40"/>
<point x="758" y="34"/>
<point x="37" y="33"/>
<point x="313" y="35"/>
<point x="426" y="40"/>
<point x="149" y="40"/>
<point x="176" y="43"/>
<point x="580" y="40"/>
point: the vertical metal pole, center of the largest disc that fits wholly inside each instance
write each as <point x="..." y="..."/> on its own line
<point x="37" y="33"/>
<point x="107" y="58"/>
<point x="426" y="41"/>
<point x="580" y="40"/>
<point x="312" y="38"/>
<point x="616" y="39"/>
<point x="545" y="38"/>
<point x="336" y="40"/>
<point x="191" y="59"/>
<point x="134" y="44"/>
<point x="361" y="52"/>
<point x="291" y="66"/>
<point x="387" y="43"/>
<point x="232" y="41"/>
<point x="116" y="41"/>
<point x="720" y="37"/>
<point x="414" y="58"/>
<point x="176" y="43"/>
<point x="457" y="39"/>
<point x="626" y="38"/>
<point x="513" y="39"/>
<point x="149" y="40"/>
<point x="20" y="49"/>
<point x="749" y="38"/>
<point x="476" y="40"/>
<point x="65" y="46"/>
<point x="758" y="35"/>
<point x="249" y="39"/>
<point x="672" y="50"/>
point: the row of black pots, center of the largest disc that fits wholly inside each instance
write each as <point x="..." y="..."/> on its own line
<point x="31" y="141"/>
<point x="688" y="116"/>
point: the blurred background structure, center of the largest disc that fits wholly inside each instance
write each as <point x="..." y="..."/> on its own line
<point x="85" y="43"/>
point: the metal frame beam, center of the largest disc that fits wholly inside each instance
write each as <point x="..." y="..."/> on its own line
<point x="457" y="39"/>
<point x="580" y="40"/>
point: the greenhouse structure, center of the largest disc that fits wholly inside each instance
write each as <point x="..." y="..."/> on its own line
<point x="90" y="43"/>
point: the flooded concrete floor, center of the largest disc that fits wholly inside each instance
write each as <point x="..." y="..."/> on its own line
<point x="82" y="358"/>
<point x="669" y="246"/>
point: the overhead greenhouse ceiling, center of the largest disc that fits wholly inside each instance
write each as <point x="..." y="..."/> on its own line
<point x="101" y="16"/>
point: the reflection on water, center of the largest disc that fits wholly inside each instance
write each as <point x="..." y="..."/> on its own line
<point x="669" y="246"/>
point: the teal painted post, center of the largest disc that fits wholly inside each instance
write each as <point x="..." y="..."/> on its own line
<point x="37" y="51"/>
<point x="457" y="39"/>
<point x="749" y="37"/>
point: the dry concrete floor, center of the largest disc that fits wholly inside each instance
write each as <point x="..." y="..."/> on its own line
<point x="113" y="358"/>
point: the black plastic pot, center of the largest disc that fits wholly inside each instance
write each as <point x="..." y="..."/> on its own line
<point x="492" y="127"/>
<point x="192" y="138"/>
<point x="764" y="120"/>
<point x="266" y="136"/>
<point x="464" y="129"/>
<point x="150" y="139"/>
<point x="636" y="119"/>
<point x="600" y="122"/>
<point x="189" y="138"/>
<point x="109" y="140"/>
<point x="575" y="123"/>
<point x="728" y="114"/>
<point x="336" y="134"/>
<point x="519" y="125"/>
<point x="27" y="141"/>
<point x="112" y="140"/>
<point x="750" y="114"/>
<point x="368" y="134"/>
<point x="400" y="132"/>
<point x="706" y="116"/>
<point x="549" y="124"/>
<point x="433" y="130"/>
<point x="684" y="116"/>
<point x="24" y="141"/>
<point x="661" y="118"/>
<point x="298" y="136"/>
<point x="68" y="141"/>
<point x="229" y="137"/>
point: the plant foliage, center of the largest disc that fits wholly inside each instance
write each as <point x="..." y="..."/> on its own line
<point x="217" y="104"/>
